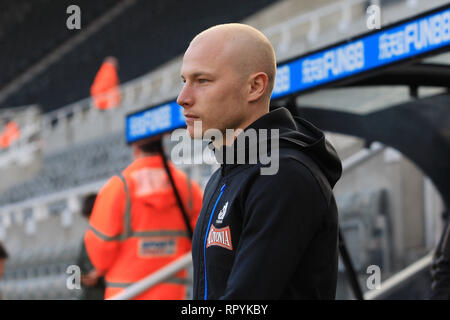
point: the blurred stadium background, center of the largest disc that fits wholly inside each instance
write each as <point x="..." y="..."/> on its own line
<point x="390" y="211"/>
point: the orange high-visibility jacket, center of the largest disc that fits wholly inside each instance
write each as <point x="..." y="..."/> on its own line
<point x="128" y="240"/>
<point x="10" y="134"/>
<point x="105" y="88"/>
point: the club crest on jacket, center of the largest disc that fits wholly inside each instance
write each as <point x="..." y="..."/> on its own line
<point x="222" y="213"/>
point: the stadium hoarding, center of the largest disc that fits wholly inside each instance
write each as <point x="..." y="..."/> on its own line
<point x="404" y="41"/>
<point x="153" y="121"/>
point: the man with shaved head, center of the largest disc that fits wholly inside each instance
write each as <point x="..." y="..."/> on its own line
<point x="241" y="61"/>
<point x="261" y="234"/>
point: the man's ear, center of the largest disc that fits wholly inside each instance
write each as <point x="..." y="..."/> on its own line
<point x="258" y="83"/>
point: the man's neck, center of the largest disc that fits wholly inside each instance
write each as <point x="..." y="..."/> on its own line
<point x="142" y="155"/>
<point x="229" y="140"/>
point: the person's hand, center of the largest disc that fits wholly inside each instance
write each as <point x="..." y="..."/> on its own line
<point x="90" y="279"/>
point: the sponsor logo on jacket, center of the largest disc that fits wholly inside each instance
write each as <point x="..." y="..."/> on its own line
<point x="219" y="237"/>
<point x="157" y="246"/>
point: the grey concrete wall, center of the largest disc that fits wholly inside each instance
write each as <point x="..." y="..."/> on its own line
<point x="412" y="182"/>
<point x="17" y="173"/>
<point x="404" y="183"/>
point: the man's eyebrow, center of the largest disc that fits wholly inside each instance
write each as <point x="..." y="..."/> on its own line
<point x="198" y="74"/>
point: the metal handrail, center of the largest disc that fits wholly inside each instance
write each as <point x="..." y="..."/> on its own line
<point x="39" y="204"/>
<point x="362" y="155"/>
<point x="311" y="15"/>
<point x="399" y="278"/>
<point x="154" y="278"/>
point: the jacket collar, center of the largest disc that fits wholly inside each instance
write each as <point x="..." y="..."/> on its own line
<point x="242" y="152"/>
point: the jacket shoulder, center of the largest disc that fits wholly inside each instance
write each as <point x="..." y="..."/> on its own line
<point x="300" y="165"/>
<point x="112" y="187"/>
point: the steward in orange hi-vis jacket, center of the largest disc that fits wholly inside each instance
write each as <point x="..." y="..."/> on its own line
<point x="137" y="227"/>
<point x="10" y="133"/>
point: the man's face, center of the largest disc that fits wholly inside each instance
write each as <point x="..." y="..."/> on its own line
<point x="214" y="90"/>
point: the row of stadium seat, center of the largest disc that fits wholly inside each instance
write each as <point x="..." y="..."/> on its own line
<point x="45" y="260"/>
<point x="40" y="273"/>
<point x="52" y="287"/>
<point x="73" y="167"/>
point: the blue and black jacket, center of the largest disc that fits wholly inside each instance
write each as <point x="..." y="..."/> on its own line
<point x="271" y="236"/>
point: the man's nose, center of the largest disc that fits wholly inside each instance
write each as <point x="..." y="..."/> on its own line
<point x="185" y="97"/>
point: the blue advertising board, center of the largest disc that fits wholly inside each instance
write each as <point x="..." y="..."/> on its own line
<point x="154" y="121"/>
<point x="405" y="40"/>
<point x="392" y="44"/>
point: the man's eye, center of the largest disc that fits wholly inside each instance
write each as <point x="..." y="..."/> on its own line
<point x="203" y="80"/>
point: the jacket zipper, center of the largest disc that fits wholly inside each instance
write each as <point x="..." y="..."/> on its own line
<point x="206" y="238"/>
